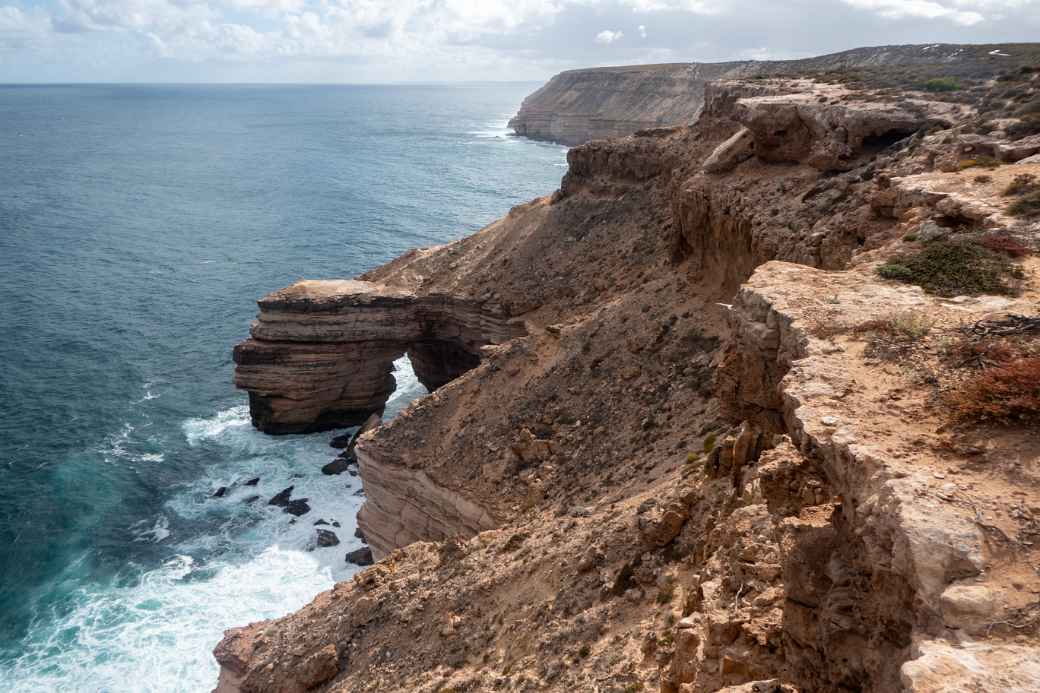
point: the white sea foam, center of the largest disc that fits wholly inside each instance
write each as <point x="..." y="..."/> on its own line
<point x="157" y="636"/>
<point x="494" y="130"/>
<point x="156" y="533"/>
<point x="197" y="430"/>
<point x="254" y="562"/>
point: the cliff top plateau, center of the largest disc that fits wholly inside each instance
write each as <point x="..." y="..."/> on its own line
<point x="596" y="103"/>
<point x="746" y="405"/>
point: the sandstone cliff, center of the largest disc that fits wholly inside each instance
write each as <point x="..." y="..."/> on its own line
<point x="581" y="105"/>
<point x="725" y="424"/>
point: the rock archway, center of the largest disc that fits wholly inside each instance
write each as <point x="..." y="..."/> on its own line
<point x="320" y="353"/>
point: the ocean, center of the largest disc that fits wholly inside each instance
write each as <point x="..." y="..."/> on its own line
<point x="138" y="225"/>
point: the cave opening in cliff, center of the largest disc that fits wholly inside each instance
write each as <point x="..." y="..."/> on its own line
<point x="407" y="387"/>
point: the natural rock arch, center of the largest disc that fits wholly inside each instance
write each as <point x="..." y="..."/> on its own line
<point x="320" y="353"/>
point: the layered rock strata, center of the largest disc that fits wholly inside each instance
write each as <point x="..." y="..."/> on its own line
<point x="320" y="353"/>
<point x="721" y="456"/>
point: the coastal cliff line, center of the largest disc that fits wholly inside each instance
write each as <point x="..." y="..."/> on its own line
<point x="747" y="405"/>
<point x="577" y="106"/>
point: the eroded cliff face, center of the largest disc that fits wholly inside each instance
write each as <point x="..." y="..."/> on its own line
<point x="320" y="353"/>
<point x="705" y="460"/>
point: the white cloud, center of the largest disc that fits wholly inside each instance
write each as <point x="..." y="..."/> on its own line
<point x="18" y="28"/>
<point x="607" y="37"/>
<point x="963" y="12"/>
<point x="642" y="31"/>
<point x="695" y="6"/>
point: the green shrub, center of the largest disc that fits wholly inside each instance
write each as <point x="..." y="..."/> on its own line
<point x="1028" y="125"/>
<point x="1026" y="206"/>
<point x="941" y="84"/>
<point x="952" y="268"/>
<point x="894" y="270"/>
<point x="709" y="442"/>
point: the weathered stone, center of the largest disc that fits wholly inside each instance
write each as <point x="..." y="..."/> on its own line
<point x="321" y="353"/>
<point x="728" y="155"/>
<point x="326" y="538"/>
<point x="362" y="556"/>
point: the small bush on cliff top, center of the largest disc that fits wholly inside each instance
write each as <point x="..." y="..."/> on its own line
<point x="1026" y="206"/>
<point x="1021" y="184"/>
<point x="952" y="268"/>
<point x="1006" y="394"/>
<point x="941" y="84"/>
<point x="1005" y="243"/>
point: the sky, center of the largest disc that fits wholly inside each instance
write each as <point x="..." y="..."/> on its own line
<point x="380" y="41"/>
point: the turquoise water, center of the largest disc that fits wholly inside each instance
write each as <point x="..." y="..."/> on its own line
<point x="137" y="227"/>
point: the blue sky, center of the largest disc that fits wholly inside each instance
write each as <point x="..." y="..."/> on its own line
<point x="445" y="40"/>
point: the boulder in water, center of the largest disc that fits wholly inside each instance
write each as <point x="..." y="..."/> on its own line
<point x="341" y="441"/>
<point x="253" y="482"/>
<point x="327" y="538"/>
<point x="281" y="499"/>
<point x="362" y="556"/>
<point x="219" y="493"/>
<point x="297" y="507"/>
<point x="337" y="466"/>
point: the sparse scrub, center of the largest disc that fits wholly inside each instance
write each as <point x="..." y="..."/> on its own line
<point x="1026" y="206"/>
<point x="1005" y="243"/>
<point x="1022" y="184"/>
<point x="891" y="336"/>
<point x="1004" y="394"/>
<point x="942" y="84"/>
<point x="1028" y="125"/>
<point x="951" y="268"/>
<point x="709" y="442"/>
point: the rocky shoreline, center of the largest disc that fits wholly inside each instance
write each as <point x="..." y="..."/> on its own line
<point x="697" y="420"/>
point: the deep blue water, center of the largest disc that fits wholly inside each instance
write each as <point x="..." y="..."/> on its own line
<point x="137" y="227"/>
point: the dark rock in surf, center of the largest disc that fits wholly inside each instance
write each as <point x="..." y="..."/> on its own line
<point x="219" y="493"/>
<point x="360" y="535"/>
<point x="340" y="442"/>
<point x="253" y="482"/>
<point x="281" y="499"/>
<point x="362" y="557"/>
<point x="337" y="466"/>
<point x="297" y="507"/>
<point x="327" y="538"/>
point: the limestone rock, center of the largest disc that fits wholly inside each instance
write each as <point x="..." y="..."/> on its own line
<point x="964" y="606"/>
<point x="728" y="155"/>
<point x="320" y="353"/>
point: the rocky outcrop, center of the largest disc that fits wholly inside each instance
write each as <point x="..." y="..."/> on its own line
<point x="320" y="353"/>
<point x="403" y="504"/>
<point x="721" y="456"/>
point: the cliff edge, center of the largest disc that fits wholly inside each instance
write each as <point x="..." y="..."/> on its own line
<point x="748" y="405"/>
<point x="577" y="106"/>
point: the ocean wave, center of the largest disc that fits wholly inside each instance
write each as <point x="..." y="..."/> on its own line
<point x="157" y="636"/>
<point x="159" y="531"/>
<point x="197" y="430"/>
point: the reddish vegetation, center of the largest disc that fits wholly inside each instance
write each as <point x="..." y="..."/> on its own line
<point x="1006" y="244"/>
<point x="1008" y="393"/>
